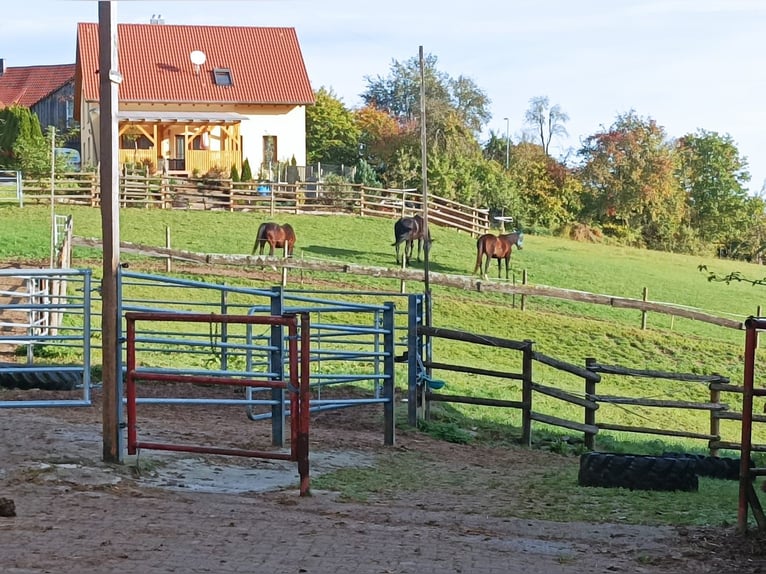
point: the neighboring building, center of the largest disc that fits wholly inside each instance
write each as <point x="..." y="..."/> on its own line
<point x="46" y="90"/>
<point x="198" y="97"/>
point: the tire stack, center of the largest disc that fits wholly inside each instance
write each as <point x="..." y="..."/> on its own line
<point x="668" y="472"/>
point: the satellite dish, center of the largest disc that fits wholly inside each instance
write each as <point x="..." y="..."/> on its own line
<point x="197" y="58"/>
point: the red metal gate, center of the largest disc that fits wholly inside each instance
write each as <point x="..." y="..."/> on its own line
<point x="297" y="384"/>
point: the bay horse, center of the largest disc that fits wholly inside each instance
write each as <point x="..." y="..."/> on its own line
<point x="407" y="230"/>
<point x="276" y="236"/>
<point x="498" y="247"/>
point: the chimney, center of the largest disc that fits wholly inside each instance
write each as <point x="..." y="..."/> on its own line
<point x="2" y="66"/>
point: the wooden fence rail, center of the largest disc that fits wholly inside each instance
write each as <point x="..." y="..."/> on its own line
<point x="463" y="282"/>
<point x="272" y="198"/>
<point x="590" y="401"/>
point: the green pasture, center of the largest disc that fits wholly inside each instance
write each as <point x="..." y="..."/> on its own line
<point x="566" y="330"/>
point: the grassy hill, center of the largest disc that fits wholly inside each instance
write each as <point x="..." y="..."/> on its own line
<point x="566" y="330"/>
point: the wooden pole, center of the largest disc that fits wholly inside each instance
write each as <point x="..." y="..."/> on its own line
<point x="53" y="197"/>
<point x="715" y="422"/>
<point x="526" y="396"/>
<point x="109" y="79"/>
<point x="167" y="246"/>
<point x="590" y="414"/>
<point x="523" y="297"/>
<point x="645" y="298"/>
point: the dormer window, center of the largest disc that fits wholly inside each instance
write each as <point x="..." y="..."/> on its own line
<point x="222" y="77"/>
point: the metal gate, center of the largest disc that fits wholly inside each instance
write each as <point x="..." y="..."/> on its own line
<point x="45" y="326"/>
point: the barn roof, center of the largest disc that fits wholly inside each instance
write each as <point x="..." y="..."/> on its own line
<point x="27" y="85"/>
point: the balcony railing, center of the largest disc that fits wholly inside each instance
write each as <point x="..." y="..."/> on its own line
<point x="196" y="161"/>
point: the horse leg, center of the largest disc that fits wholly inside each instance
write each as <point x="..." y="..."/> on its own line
<point x="507" y="264"/>
<point x="396" y="246"/>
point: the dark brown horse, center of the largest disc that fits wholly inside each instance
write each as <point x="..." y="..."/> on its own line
<point x="276" y="236"/>
<point x="498" y="247"/>
<point x="407" y="230"/>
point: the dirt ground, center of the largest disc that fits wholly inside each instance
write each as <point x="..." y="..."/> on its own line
<point x="191" y="513"/>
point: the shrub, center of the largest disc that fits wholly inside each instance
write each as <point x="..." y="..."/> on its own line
<point x="247" y="173"/>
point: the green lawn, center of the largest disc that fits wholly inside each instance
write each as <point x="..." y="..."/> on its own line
<point x="566" y="330"/>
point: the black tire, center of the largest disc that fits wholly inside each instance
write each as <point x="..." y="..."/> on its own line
<point x="637" y="472"/>
<point x="724" y="468"/>
<point x="46" y="380"/>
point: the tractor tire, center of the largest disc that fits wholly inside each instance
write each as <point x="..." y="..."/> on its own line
<point x="723" y="468"/>
<point x="637" y="472"/>
<point x="46" y="380"/>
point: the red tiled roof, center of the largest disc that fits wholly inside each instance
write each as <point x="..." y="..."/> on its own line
<point x="27" y="85"/>
<point x="266" y="64"/>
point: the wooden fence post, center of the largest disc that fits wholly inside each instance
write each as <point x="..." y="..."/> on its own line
<point x="272" y="203"/>
<point x="526" y="395"/>
<point x="590" y="414"/>
<point x="644" y="313"/>
<point x="167" y="246"/>
<point x="523" y="297"/>
<point x="715" y="422"/>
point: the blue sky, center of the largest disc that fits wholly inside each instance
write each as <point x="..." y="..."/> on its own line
<point x="688" y="64"/>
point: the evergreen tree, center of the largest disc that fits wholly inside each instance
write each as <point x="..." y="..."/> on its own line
<point x="247" y="174"/>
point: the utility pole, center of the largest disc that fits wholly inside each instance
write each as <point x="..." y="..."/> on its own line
<point x="507" y="144"/>
<point x="109" y="80"/>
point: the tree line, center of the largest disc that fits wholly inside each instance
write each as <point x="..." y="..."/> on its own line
<point x="629" y="183"/>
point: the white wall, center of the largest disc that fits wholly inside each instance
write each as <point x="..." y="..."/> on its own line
<point x="288" y="126"/>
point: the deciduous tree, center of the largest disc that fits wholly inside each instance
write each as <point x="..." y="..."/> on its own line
<point x="546" y="120"/>
<point x="712" y="174"/>
<point x="629" y="179"/>
<point x="332" y="135"/>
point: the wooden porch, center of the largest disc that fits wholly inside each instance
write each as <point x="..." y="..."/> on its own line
<point x="184" y="144"/>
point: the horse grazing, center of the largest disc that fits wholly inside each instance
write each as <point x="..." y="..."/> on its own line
<point x="498" y="247"/>
<point x="276" y="236"/>
<point x="407" y="230"/>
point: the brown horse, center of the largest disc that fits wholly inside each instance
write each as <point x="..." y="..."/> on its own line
<point x="498" y="247"/>
<point x="276" y="236"/>
<point x="406" y="230"/>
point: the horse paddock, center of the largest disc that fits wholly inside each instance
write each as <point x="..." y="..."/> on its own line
<point x="193" y="513"/>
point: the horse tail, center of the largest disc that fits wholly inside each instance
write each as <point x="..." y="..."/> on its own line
<point x="290" y="238"/>
<point x="480" y="242"/>
<point x="260" y="237"/>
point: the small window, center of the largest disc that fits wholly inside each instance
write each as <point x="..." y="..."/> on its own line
<point x="222" y="77"/>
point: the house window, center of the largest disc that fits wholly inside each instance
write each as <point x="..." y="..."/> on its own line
<point x="222" y="77"/>
<point x="134" y="141"/>
<point x="69" y="113"/>
<point x="270" y="149"/>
